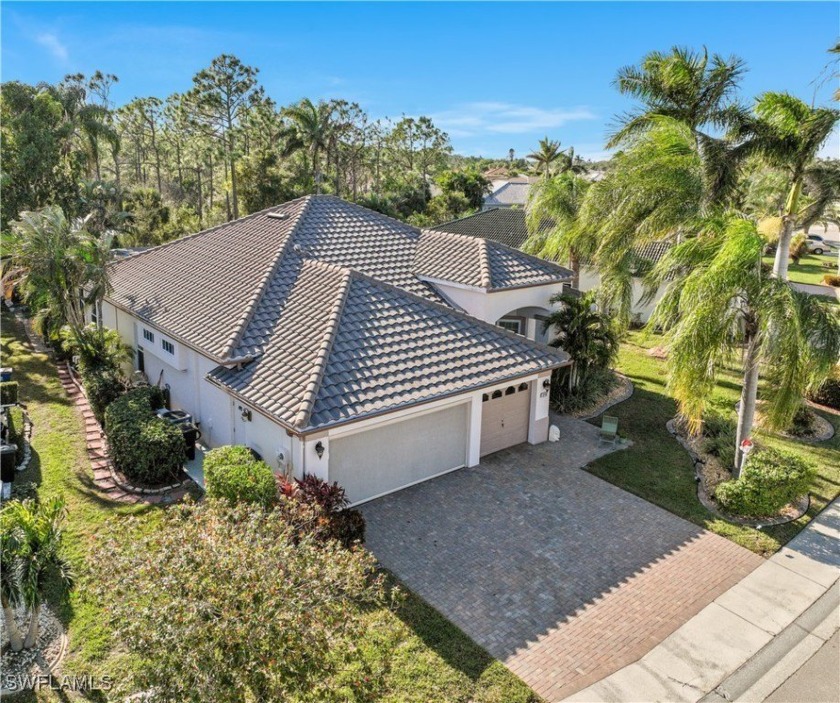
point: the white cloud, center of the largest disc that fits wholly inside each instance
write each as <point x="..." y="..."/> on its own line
<point x="50" y="41"/>
<point x="471" y="119"/>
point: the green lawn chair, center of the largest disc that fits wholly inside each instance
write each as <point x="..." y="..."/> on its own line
<point x="609" y="429"/>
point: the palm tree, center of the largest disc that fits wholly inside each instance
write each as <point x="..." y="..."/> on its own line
<point x="551" y="214"/>
<point x="60" y="267"/>
<point x="719" y="302"/>
<point x="546" y="155"/>
<point x="310" y="132"/>
<point x="683" y="85"/>
<point x="586" y="335"/>
<point x="10" y="578"/>
<point x="39" y="530"/>
<point x="787" y="134"/>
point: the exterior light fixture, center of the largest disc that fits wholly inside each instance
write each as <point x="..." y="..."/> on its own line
<point x="319" y="449"/>
<point x="547" y="383"/>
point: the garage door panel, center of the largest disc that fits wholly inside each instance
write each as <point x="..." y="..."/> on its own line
<point x="386" y="458"/>
<point x="504" y="420"/>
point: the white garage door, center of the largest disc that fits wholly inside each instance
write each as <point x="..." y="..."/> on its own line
<point x="383" y="459"/>
<point x="504" y="417"/>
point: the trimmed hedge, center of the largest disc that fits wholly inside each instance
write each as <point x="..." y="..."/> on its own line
<point x="102" y="389"/>
<point x="234" y="474"/>
<point x="14" y="421"/>
<point x="144" y="448"/>
<point x="769" y="480"/>
<point x="8" y="392"/>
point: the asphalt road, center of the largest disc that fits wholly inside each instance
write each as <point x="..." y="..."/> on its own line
<point x="817" y="681"/>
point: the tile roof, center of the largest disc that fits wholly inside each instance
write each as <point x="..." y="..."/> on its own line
<point x="503" y="225"/>
<point x="511" y="193"/>
<point x="281" y="291"/>
<point x="346" y="346"/>
<point x="482" y="263"/>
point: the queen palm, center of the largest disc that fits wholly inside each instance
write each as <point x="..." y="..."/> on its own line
<point x="684" y="85"/>
<point x="787" y="134"/>
<point x="60" y="267"/>
<point x="551" y="215"/>
<point x="39" y="530"/>
<point x="310" y="132"/>
<point x="721" y="305"/>
<point x="547" y="154"/>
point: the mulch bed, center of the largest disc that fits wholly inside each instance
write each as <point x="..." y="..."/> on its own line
<point x="709" y="472"/>
<point x="621" y="392"/>
<point x="41" y="659"/>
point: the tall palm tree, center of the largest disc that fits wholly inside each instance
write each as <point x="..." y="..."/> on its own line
<point x="547" y="153"/>
<point x="588" y="336"/>
<point x="60" y="267"/>
<point x="551" y="215"/>
<point x="310" y="132"/>
<point x="719" y="302"/>
<point x="39" y="529"/>
<point x="684" y="85"/>
<point x="787" y="134"/>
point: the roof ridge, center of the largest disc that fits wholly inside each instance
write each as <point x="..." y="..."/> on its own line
<point x="484" y="263"/>
<point x="402" y="224"/>
<point x="469" y="217"/>
<point x="446" y="308"/>
<point x="310" y="393"/>
<point x="215" y="228"/>
<point x="241" y="325"/>
<point x="526" y="255"/>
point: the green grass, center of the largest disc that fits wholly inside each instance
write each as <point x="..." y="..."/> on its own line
<point x="810" y="268"/>
<point x="423" y="656"/>
<point x="658" y="469"/>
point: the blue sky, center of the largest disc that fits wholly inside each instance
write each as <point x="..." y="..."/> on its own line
<point x="494" y="75"/>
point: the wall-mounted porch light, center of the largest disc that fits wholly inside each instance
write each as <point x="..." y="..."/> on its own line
<point x="319" y="449"/>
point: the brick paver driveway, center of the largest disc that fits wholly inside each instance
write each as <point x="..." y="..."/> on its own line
<point x="557" y="573"/>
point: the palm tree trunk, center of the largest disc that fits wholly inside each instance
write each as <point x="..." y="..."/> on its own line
<point x="574" y="262"/>
<point x="746" y="410"/>
<point x="780" y="264"/>
<point x="34" y="623"/>
<point x="15" y="640"/>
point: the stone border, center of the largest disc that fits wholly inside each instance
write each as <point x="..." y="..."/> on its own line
<point x="626" y="393"/>
<point x="710" y="505"/>
<point x="105" y="475"/>
<point x="27" y="445"/>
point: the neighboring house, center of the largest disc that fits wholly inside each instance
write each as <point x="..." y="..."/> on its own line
<point x="507" y="194"/>
<point x="339" y="342"/>
<point x="507" y="226"/>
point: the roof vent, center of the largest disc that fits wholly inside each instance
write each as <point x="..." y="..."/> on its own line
<point x="278" y="215"/>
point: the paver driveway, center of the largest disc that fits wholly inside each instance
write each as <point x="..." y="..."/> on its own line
<point x="560" y="575"/>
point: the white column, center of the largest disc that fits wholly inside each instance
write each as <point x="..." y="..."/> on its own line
<point x="474" y="437"/>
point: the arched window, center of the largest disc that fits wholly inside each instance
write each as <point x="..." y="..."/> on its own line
<point x="523" y="387"/>
<point x="497" y="394"/>
<point x="484" y="397"/>
<point x="510" y="390"/>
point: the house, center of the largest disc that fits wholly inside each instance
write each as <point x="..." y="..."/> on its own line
<point x="336" y="341"/>
<point x="507" y="226"/>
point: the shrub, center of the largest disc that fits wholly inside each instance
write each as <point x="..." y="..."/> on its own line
<point x="829" y="392"/>
<point x="8" y="392"/>
<point x="719" y="437"/>
<point x="803" y="422"/>
<point x="769" y="480"/>
<point x="102" y="389"/>
<point x="14" y="422"/>
<point x="320" y="508"/>
<point x="175" y="601"/>
<point x="232" y="473"/>
<point x="596" y="384"/>
<point x="143" y="447"/>
<point x="832" y="279"/>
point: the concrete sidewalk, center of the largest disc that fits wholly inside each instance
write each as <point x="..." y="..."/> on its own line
<point x="727" y="633"/>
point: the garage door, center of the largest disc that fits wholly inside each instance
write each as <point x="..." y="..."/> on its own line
<point x="384" y="459"/>
<point x="504" y="417"/>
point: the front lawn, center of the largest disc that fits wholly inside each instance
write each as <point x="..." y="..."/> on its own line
<point x="810" y="268"/>
<point x="421" y="655"/>
<point x="658" y="469"/>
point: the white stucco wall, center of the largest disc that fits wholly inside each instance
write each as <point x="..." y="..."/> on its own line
<point x="590" y="279"/>
<point x="492" y="306"/>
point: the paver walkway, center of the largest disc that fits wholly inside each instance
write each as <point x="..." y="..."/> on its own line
<point x="99" y="460"/>
<point x="779" y="613"/>
<point x="560" y="575"/>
